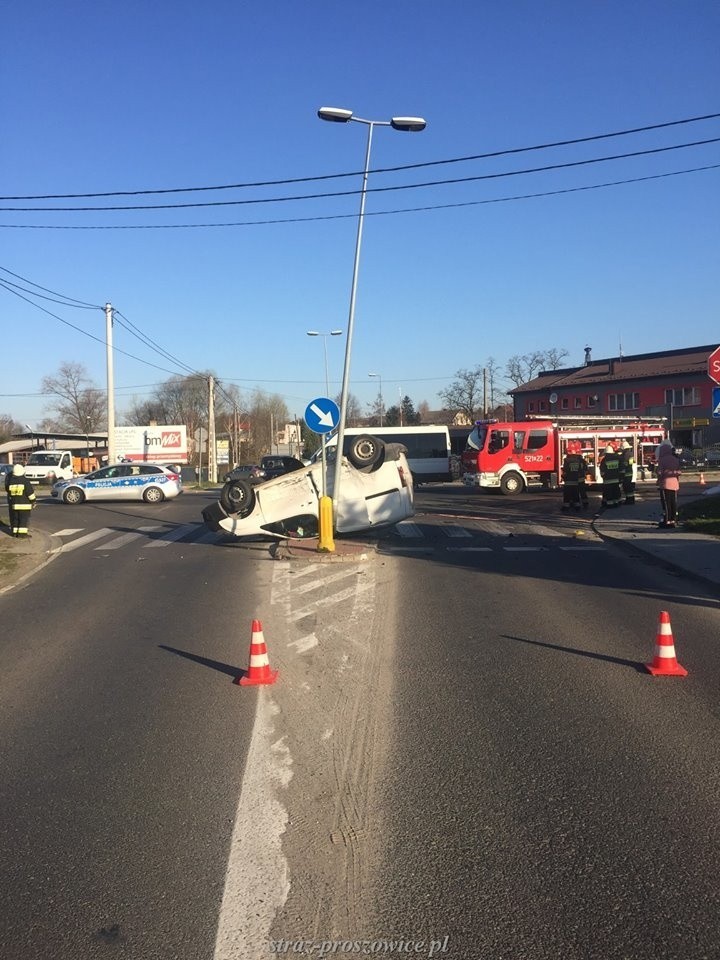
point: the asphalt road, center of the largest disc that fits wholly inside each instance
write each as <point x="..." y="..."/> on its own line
<point x="124" y="740"/>
<point x="542" y="796"/>
<point x="461" y="748"/>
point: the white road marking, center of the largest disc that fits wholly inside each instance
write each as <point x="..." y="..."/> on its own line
<point x="88" y="538"/>
<point x="470" y="549"/>
<point x="256" y="879"/>
<point x="304" y="643"/>
<point x="166" y="538"/>
<point x="126" y="538"/>
<point x="523" y="549"/>
<point x="69" y="532"/>
<point x="406" y="528"/>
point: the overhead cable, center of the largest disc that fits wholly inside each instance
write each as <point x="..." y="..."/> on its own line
<point x="409" y="166"/>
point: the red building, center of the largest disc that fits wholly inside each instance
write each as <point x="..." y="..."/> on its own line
<point x="672" y="384"/>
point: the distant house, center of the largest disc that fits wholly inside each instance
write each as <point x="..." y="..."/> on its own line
<point x="669" y="383"/>
<point x="449" y="418"/>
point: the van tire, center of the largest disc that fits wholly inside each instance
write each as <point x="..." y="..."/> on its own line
<point x="365" y="451"/>
<point x="238" y="497"/>
<point x="512" y="484"/>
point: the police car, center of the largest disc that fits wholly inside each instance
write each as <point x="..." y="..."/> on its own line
<point x="148" y="482"/>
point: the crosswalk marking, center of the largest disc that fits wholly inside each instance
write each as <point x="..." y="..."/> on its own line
<point x="406" y="528"/>
<point x="470" y="550"/>
<point x="126" y="538"/>
<point x="88" y="538"/>
<point x="456" y="532"/>
<point x="69" y="532"/>
<point x="170" y="536"/>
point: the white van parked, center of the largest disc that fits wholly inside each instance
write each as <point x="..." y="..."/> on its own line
<point x="428" y="450"/>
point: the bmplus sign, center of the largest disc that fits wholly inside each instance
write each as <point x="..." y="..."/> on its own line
<point x="156" y="444"/>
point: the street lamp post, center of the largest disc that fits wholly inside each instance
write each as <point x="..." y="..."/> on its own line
<point x="331" y="333"/>
<point x="87" y="442"/>
<point x="379" y="377"/>
<point x="406" y="124"/>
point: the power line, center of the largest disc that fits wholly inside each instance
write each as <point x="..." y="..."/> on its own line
<point x="410" y="166"/>
<point x="72" y="300"/>
<point x="346" y="216"/>
<point x="350" y="193"/>
<point x="85" y="332"/>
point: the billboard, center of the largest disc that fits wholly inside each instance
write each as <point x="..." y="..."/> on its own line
<point x="159" y="444"/>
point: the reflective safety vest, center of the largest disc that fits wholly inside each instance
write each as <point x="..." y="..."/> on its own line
<point x="626" y="463"/>
<point x="574" y="469"/>
<point x="610" y="468"/>
<point x="20" y="492"/>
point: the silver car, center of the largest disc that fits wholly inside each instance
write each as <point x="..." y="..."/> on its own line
<point x="148" y="482"/>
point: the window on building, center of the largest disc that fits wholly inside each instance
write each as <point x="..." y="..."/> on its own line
<point x="683" y="396"/>
<point x="577" y="403"/>
<point x="592" y="401"/>
<point x="542" y="406"/>
<point x="623" y="401"/>
<point x="564" y="404"/>
<point x="531" y="406"/>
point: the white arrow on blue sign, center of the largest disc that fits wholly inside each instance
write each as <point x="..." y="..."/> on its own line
<point x="716" y="402"/>
<point x="322" y="415"/>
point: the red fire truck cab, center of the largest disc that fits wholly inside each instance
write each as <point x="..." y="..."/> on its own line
<point x="515" y="456"/>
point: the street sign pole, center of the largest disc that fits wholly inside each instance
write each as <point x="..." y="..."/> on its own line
<point x="322" y="415"/>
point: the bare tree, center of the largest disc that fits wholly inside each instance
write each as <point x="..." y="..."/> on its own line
<point x="554" y="358"/>
<point x="78" y="405"/>
<point x="522" y="368"/>
<point x="353" y="412"/>
<point x="8" y="427"/>
<point x="465" y="392"/>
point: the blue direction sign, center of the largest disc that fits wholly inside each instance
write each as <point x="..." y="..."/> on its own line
<point x="322" y="415"/>
<point x="716" y="403"/>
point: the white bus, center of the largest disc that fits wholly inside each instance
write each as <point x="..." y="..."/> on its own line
<point x="428" y="450"/>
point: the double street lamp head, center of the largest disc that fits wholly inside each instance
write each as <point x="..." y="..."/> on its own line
<point x="339" y="115"/>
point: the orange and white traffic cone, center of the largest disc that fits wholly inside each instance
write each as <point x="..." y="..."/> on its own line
<point x="258" y="671"/>
<point x="702" y="479"/>
<point x="664" y="663"/>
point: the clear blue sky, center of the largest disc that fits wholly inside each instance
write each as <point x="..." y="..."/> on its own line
<point x="146" y="96"/>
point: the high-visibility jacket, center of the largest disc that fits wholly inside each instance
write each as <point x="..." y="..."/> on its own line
<point x="574" y="469"/>
<point x="610" y="468"/>
<point x="20" y="493"/>
<point x="626" y="464"/>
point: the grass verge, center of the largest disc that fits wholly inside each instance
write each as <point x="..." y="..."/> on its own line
<point x="702" y="516"/>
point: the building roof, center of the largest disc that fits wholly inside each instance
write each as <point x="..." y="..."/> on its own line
<point x="668" y="363"/>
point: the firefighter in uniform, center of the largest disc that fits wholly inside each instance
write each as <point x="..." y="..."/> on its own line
<point x="21" y="499"/>
<point x="611" y="477"/>
<point x="626" y="468"/>
<point x="574" y="469"/>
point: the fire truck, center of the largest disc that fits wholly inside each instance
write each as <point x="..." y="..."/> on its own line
<point x="515" y="456"/>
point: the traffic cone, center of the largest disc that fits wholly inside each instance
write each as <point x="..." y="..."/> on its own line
<point x="702" y="479"/>
<point x="664" y="664"/>
<point x="258" y="671"/>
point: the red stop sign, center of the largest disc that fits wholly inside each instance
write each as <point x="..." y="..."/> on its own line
<point x="714" y="365"/>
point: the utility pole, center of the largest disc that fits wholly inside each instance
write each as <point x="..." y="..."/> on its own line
<point x="485" y="409"/>
<point x="212" y="460"/>
<point x="110" y="383"/>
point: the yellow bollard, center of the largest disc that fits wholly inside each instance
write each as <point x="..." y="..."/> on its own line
<point x="326" y="542"/>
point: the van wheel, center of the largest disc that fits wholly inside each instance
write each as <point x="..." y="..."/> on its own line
<point x="512" y="484"/>
<point x="238" y="497"/>
<point x="365" y="451"/>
